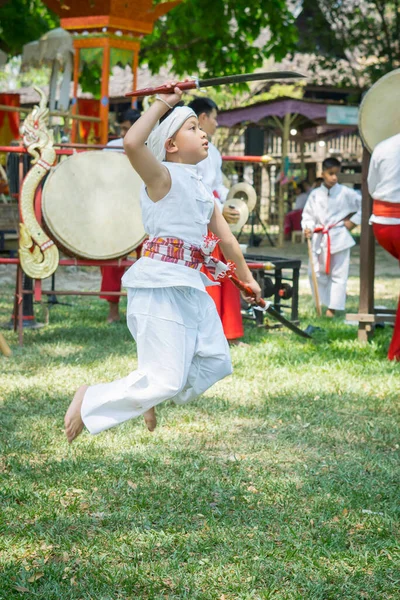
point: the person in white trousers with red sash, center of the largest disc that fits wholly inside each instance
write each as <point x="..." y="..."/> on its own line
<point x="181" y="346"/>
<point x="384" y="187"/>
<point x="226" y="296"/>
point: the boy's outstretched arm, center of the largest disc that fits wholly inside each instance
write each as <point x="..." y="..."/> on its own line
<point x="231" y="251"/>
<point x="154" y="174"/>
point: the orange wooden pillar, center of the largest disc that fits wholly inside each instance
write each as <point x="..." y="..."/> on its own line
<point x="134" y="72"/>
<point x="104" y="100"/>
<point x="107" y="44"/>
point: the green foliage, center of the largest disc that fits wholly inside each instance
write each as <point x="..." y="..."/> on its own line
<point x="217" y="37"/>
<point x="12" y="77"/>
<point x="226" y="97"/>
<point x="91" y="61"/>
<point x="90" y="79"/>
<point x="281" y="90"/>
<point x="23" y="21"/>
<point x="366" y="38"/>
<point x="214" y="36"/>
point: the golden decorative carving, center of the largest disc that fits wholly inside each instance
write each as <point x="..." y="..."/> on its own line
<point x="38" y="255"/>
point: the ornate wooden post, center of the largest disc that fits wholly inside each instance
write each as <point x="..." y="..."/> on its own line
<point x="366" y="314"/>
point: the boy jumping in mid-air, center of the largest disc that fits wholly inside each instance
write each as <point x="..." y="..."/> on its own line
<point x="330" y="213"/>
<point x="181" y="347"/>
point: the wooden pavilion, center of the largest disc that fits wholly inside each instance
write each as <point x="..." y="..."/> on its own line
<point x="105" y="33"/>
<point x="301" y="121"/>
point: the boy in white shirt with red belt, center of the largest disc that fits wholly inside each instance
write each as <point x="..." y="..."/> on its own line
<point x="384" y="187"/>
<point x="330" y="213"/>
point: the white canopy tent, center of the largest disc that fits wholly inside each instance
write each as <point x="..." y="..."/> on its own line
<point x="54" y="48"/>
<point x="3" y="58"/>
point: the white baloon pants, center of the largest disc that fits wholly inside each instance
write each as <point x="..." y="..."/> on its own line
<point x="332" y="287"/>
<point x="182" y="351"/>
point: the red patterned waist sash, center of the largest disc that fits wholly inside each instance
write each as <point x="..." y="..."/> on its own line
<point x="174" y="250"/>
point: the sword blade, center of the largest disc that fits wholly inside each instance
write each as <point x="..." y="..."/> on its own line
<point x="267" y="307"/>
<point x="277" y="315"/>
<point x="266" y="75"/>
<point x="192" y="85"/>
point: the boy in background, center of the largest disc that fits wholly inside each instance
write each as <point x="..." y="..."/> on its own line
<point x="226" y="296"/>
<point x="330" y="213"/>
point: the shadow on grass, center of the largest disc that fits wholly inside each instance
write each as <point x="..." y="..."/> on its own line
<point x="177" y="511"/>
<point x="282" y="484"/>
<point x="93" y="345"/>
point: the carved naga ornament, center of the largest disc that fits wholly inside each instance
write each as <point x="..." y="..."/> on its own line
<point x="38" y="255"/>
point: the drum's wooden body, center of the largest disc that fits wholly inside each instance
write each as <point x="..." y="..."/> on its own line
<point x="379" y="116"/>
<point x="91" y="206"/>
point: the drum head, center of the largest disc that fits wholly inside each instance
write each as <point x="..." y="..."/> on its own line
<point x="379" y="116"/>
<point x="91" y="205"/>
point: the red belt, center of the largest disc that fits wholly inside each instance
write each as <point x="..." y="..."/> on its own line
<point x="386" y="209"/>
<point x="325" y="231"/>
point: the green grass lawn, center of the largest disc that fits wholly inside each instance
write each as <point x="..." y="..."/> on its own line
<point x="281" y="482"/>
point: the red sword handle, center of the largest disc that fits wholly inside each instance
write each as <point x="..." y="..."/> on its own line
<point x="164" y="89"/>
<point x="246" y="289"/>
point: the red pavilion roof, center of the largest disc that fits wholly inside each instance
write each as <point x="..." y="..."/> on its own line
<point x="130" y="15"/>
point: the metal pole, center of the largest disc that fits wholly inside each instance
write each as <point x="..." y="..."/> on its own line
<point x="282" y="188"/>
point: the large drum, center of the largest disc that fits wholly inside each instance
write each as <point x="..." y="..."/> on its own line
<point x="91" y="206"/>
<point x="379" y="116"/>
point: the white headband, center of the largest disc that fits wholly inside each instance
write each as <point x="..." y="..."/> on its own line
<point x="166" y="129"/>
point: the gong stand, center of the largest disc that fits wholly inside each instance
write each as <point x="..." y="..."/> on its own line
<point x="255" y="217"/>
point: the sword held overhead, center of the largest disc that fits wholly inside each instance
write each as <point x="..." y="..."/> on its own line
<point x="214" y="81"/>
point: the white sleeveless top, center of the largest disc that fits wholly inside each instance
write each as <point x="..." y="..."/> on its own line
<point x="183" y="213"/>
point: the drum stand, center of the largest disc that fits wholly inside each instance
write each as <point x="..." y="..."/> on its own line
<point x="23" y="305"/>
<point x="52" y="299"/>
<point x="254" y="239"/>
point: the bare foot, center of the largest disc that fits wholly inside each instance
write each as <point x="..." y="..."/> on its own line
<point x="113" y="319"/>
<point x="113" y="313"/>
<point x="330" y="312"/>
<point x="73" y="420"/>
<point x="238" y="343"/>
<point x="150" y="419"/>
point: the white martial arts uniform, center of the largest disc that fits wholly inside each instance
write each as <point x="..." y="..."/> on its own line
<point x="115" y="145"/>
<point x="182" y="350"/>
<point x="384" y="187"/>
<point x="211" y="171"/>
<point x="328" y="208"/>
<point x="383" y="176"/>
